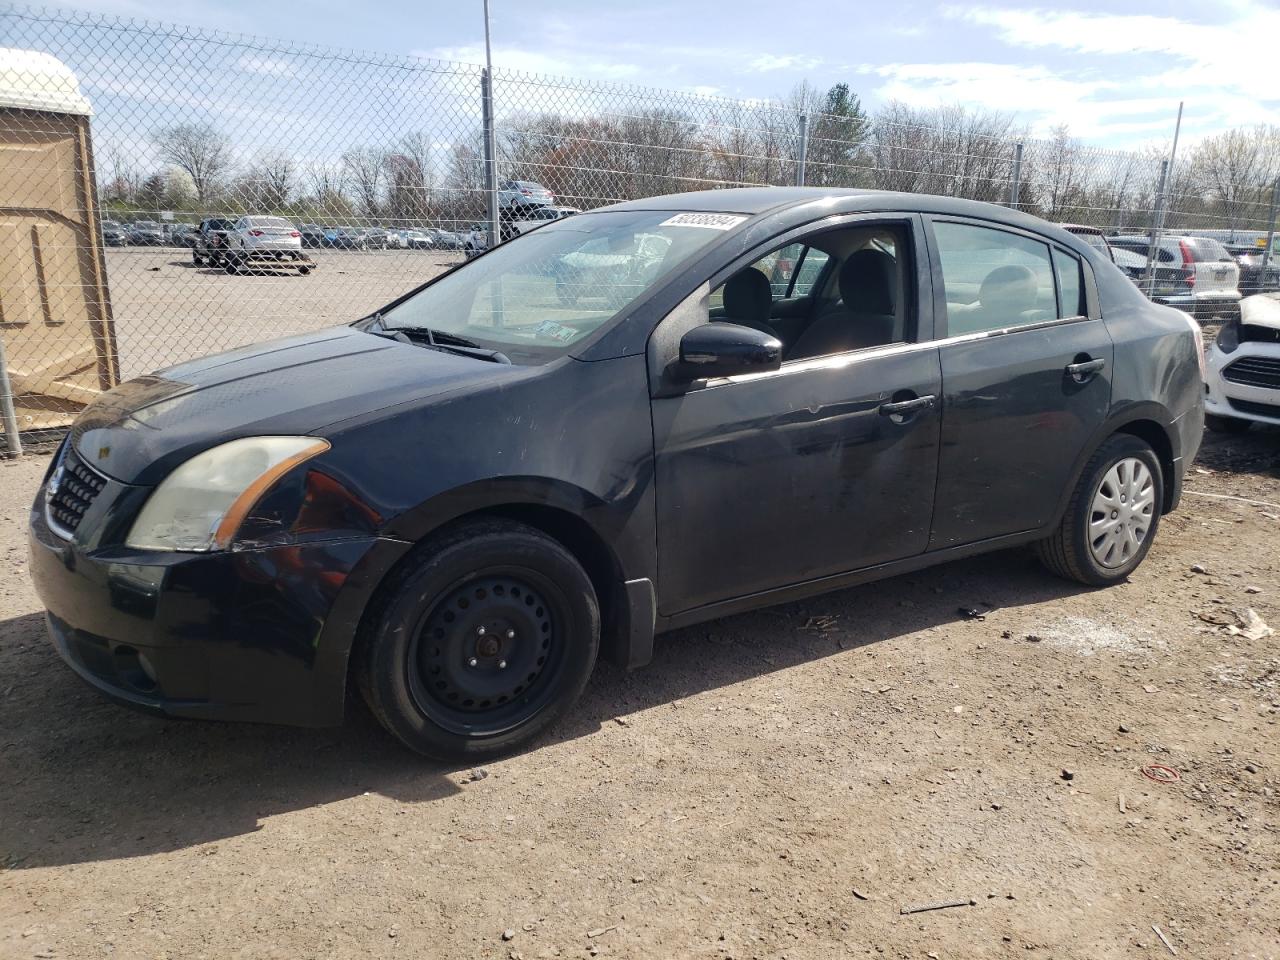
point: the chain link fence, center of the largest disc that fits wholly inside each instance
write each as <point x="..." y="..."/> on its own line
<point x="134" y="155"/>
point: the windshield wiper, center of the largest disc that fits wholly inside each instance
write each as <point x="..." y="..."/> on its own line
<point x="436" y="340"/>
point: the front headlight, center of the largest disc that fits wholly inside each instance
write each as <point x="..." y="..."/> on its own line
<point x="1229" y="336"/>
<point x="202" y="503"/>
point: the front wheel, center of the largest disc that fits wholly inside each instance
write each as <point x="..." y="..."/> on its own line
<point x="484" y="638"/>
<point x="1113" y="515"/>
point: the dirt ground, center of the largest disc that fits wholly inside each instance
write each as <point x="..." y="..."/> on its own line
<point x="779" y="784"/>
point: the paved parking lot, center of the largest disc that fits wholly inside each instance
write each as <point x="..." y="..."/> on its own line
<point x="778" y="784"/>
<point x="168" y="310"/>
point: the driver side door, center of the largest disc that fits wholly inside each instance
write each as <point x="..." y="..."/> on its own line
<point x="772" y="479"/>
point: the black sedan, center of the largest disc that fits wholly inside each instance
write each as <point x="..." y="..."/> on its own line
<point x="460" y="501"/>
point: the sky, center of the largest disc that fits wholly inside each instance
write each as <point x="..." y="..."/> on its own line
<point x="1113" y="75"/>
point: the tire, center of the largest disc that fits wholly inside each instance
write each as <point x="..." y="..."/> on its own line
<point x="303" y="271"/>
<point x="1108" y="553"/>
<point x="197" y="259"/>
<point x="1231" y="425"/>
<point x="444" y="658"/>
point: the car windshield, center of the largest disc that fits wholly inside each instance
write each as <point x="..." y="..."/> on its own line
<point x="535" y="296"/>
<point x="270" y="222"/>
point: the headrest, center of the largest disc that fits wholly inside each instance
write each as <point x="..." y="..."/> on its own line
<point x="1009" y="289"/>
<point x="868" y="282"/>
<point x="748" y="297"/>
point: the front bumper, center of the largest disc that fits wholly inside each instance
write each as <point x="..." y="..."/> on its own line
<point x="255" y="634"/>
<point x="1224" y="398"/>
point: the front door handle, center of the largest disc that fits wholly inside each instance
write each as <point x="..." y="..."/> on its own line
<point x="904" y="407"/>
<point x="1085" y="369"/>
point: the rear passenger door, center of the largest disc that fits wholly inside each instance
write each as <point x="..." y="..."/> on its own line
<point x="1026" y="377"/>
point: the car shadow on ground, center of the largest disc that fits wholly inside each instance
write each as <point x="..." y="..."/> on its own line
<point x="89" y="780"/>
<point x="1256" y="451"/>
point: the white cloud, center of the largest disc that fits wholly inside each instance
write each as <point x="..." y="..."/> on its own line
<point x="767" y="63"/>
<point x="520" y="60"/>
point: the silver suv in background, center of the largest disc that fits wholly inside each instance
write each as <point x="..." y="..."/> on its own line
<point x="1194" y="274"/>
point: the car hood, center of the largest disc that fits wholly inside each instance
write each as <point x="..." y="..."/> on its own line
<point x="139" y="431"/>
<point x="1260" y="311"/>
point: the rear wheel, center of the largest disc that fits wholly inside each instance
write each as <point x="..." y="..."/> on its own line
<point x="1113" y="515"/>
<point x="1226" y="424"/>
<point x="196" y="258"/>
<point x="482" y="640"/>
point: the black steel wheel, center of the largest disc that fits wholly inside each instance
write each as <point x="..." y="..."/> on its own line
<point x="479" y="641"/>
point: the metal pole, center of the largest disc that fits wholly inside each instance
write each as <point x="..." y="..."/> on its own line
<point x="10" y="416"/>
<point x="1162" y="205"/>
<point x="802" y="155"/>
<point x="1015" y="183"/>
<point x="1156" y="220"/>
<point x="490" y="139"/>
<point x="1271" y="236"/>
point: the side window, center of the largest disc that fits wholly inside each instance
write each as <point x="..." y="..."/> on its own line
<point x="810" y="269"/>
<point x="993" y="279"/>
<point x="869" y="305"/>
<point x="1070" y="287"/>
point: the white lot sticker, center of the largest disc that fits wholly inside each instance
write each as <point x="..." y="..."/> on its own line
<point x="712" y="221"/>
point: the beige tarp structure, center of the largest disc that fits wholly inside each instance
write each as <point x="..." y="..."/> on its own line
<point x="55" y="314"/>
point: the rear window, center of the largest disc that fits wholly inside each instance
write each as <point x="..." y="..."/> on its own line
<point x="270" y="222"/>
<point x="1207" y="250"/>
<point x="219" y="224"/>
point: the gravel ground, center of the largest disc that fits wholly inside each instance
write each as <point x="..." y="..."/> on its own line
<point x="778" y="784"/>
<point x="168" y="310"/>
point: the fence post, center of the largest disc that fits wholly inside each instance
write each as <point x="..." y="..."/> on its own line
<point x="1157" y="224"/>
<point x="802" y="154"/>
<point x="1271" y="236"/>
<point x="490" y="157"/>
<point x="10" y="416"/>
<point x="1015" y="182"/>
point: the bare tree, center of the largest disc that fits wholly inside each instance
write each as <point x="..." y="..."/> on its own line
<point x="410" y="177"/>
<point x="327" y="184"/>
<point x="1233" y="172"/>
<point x="272" y="178"/>
<point x="200" y="150"/>
<point x="365" y="168"/>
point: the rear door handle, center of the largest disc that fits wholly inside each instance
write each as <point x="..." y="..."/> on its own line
<point x="907" y="406"/>
<point x="1086" y="368"/>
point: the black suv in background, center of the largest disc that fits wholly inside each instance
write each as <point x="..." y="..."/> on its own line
<point x="209" y="241"/>
<point x="1249" y="257"/>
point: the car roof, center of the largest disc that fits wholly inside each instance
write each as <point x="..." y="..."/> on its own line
<point x="808" y="203"/>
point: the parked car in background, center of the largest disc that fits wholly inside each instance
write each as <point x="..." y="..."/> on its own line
<point x="255" y="535"/>
<point x="1243" y="369"/>
<point x="1249" y="258"/>
<point x="443" y="239"/>
<point x="524" y="219"/>
<point x="181" y="234"/>
<point x="1093" y="236"/>
<point x="114" y="235"/>
<point x="513" y="193"/>
<point x="1193" y="274"/>
<point x="475" y="240"/>
<point x="375" y="238"/>
<point x="312" y="235"/>
<point x="209" y="241"/>
<point x="345" y="238"/>
<point x="266" y="238"/>
<point x="146" y="233"/>
<point x="418" y="240"/>
<point x="396" y="239"/>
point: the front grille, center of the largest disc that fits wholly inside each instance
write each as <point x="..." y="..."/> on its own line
<point x="1255" y="372"/>
<point x="1257" y="409"/>
<point x="1252" y="333"/>
<point x="73" y="486"/>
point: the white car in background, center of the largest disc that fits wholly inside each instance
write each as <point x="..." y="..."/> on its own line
<point x="1242" y="369"/>
<point x="266" y="237"/>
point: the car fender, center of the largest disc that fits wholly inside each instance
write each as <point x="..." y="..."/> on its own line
<point x="1121" y="417"/>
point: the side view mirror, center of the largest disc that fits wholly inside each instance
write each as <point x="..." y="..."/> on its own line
<point x="725" y="350"/>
